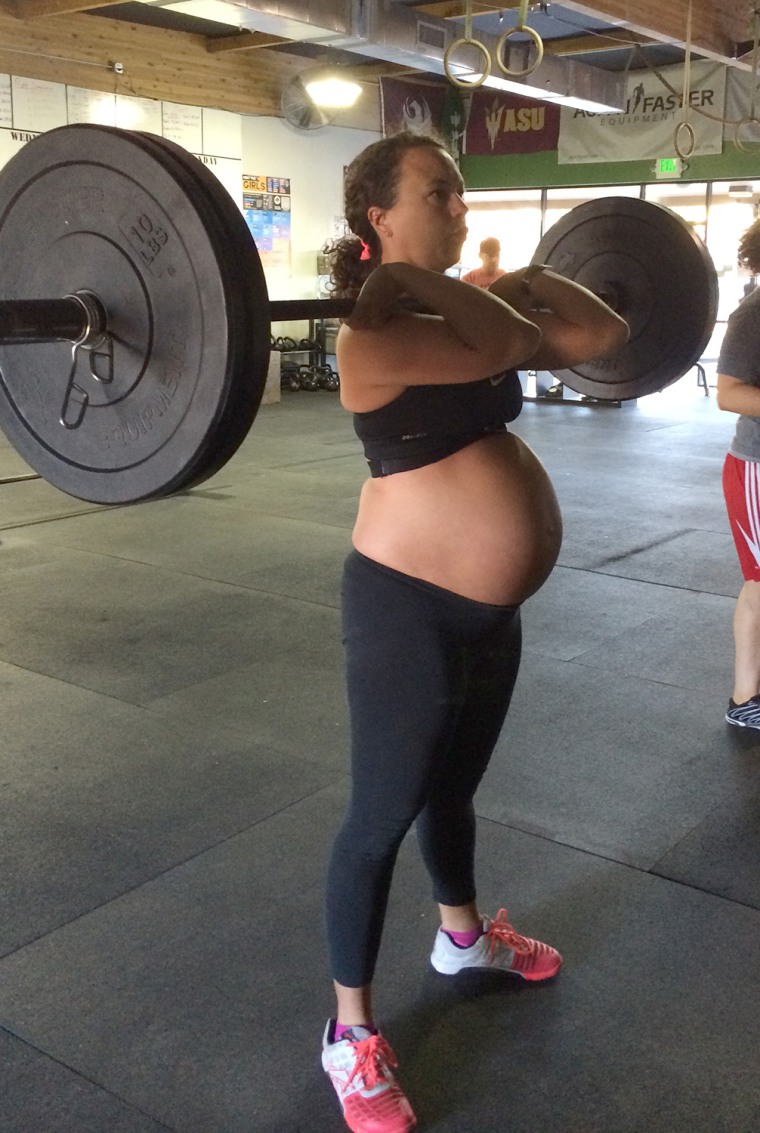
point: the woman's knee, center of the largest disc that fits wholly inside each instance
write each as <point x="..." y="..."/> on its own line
<point x="370" y="840"/>
<point x="749" y="596"/>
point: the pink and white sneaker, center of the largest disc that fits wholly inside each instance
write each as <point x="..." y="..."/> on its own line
<point x="500" y="948"/>
<point x="360" y="1066"/>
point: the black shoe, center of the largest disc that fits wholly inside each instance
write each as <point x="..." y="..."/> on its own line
<point x="745" y="715"/>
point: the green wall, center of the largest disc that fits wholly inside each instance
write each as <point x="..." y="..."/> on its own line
<point x="542" y="170"/>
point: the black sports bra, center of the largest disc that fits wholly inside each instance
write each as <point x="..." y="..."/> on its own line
<point x="429" y="422"/>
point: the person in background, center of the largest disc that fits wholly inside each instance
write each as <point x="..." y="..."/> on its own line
<point x="739" y="392"/>
<point x="457" y="525"/>
<point x="490" y="251"/>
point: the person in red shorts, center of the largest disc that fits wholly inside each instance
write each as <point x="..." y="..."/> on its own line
<point x="490" y="251"/>
<point x="739" y="392"/>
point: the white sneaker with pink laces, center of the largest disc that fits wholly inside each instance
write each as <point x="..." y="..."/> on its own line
<point x="360" y="1066"/>
<point x="499" y="948"/>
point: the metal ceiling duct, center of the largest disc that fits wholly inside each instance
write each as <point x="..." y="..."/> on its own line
<point x="398" y="34"/>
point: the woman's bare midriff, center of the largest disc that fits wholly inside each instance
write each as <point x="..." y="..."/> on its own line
<point x="484" y="523"/>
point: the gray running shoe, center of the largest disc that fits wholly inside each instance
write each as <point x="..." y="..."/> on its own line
<point x="745" y="715"/>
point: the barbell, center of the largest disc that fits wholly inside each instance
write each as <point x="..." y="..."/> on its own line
<point x="135" y="319"/>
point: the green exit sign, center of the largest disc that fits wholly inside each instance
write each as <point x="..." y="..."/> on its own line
<point x="668" y="167"/>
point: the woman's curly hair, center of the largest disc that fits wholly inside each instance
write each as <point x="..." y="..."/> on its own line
<point x="749" y="248"/>
<point x="371" y="179"/>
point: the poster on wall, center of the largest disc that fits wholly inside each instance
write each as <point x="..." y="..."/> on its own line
<point x="266" y="207"/>
<point x="646" y="128"/>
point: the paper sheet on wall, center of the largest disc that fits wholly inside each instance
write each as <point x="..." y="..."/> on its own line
<point x="6" y="103"/>
<point x="37" y="104"/>
<point x="229" y="171"/>
<point x="183" y="125"/>
<point x="11" y="141"/>
<point x="133" y="113"/>
<point x="90" y="106"/>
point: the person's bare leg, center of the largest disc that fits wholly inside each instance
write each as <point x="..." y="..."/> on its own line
<point x="747" y="643"/>
<point x="354" y="1005"/>
<point x="460" y="918"/>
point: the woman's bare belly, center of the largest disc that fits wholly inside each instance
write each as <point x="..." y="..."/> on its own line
<point x="484" y="523"/>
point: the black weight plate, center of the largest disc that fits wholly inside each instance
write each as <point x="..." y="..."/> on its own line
<point x="248" y="306"/>
<point x="664" y="284"/>
<point x="101" y="209"/>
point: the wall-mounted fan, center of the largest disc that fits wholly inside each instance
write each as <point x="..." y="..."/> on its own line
<point x="300" y="110"/>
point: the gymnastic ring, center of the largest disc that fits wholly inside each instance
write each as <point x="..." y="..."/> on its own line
<point x="680" y="151"/>
<point x="472" y="43"/>
<point x="746" y="120"/>
<point x="539" y="51"/>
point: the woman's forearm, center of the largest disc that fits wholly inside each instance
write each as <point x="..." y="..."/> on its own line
<point x="475" y="315"/>
<point x="736" y="396"/>
<point x="576" y="325"/>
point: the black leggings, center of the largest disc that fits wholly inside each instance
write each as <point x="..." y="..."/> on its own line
<point x="430" y="677"/>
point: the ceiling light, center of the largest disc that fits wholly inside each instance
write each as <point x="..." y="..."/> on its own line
<point x="327" y="87"/>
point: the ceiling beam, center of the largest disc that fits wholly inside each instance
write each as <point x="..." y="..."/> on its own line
<point x="243" y="41"/>
<point x="371" y="72"/>
<point x="717" y="25"/>
<point x="620" y="39"/>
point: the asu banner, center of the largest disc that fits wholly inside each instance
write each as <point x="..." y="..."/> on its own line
<point x="481" y="122"/>
<point x="646" y="127"/>
<point x="500" y="123"/>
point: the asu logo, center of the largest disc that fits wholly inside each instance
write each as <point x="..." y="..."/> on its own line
<point x="507" y="120"/>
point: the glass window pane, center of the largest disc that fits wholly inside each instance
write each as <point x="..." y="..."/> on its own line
<point x="688" y="200"/>
<point x="732" y="209"/>
<point x="561" y="201"/>
<point x="513" y="216"/>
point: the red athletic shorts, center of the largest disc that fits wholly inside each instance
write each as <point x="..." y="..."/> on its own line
<point x="741" y="487"/>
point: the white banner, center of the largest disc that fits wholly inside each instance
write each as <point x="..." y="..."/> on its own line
<point x="738" y="106"/>
<point x="646" y="129"/>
